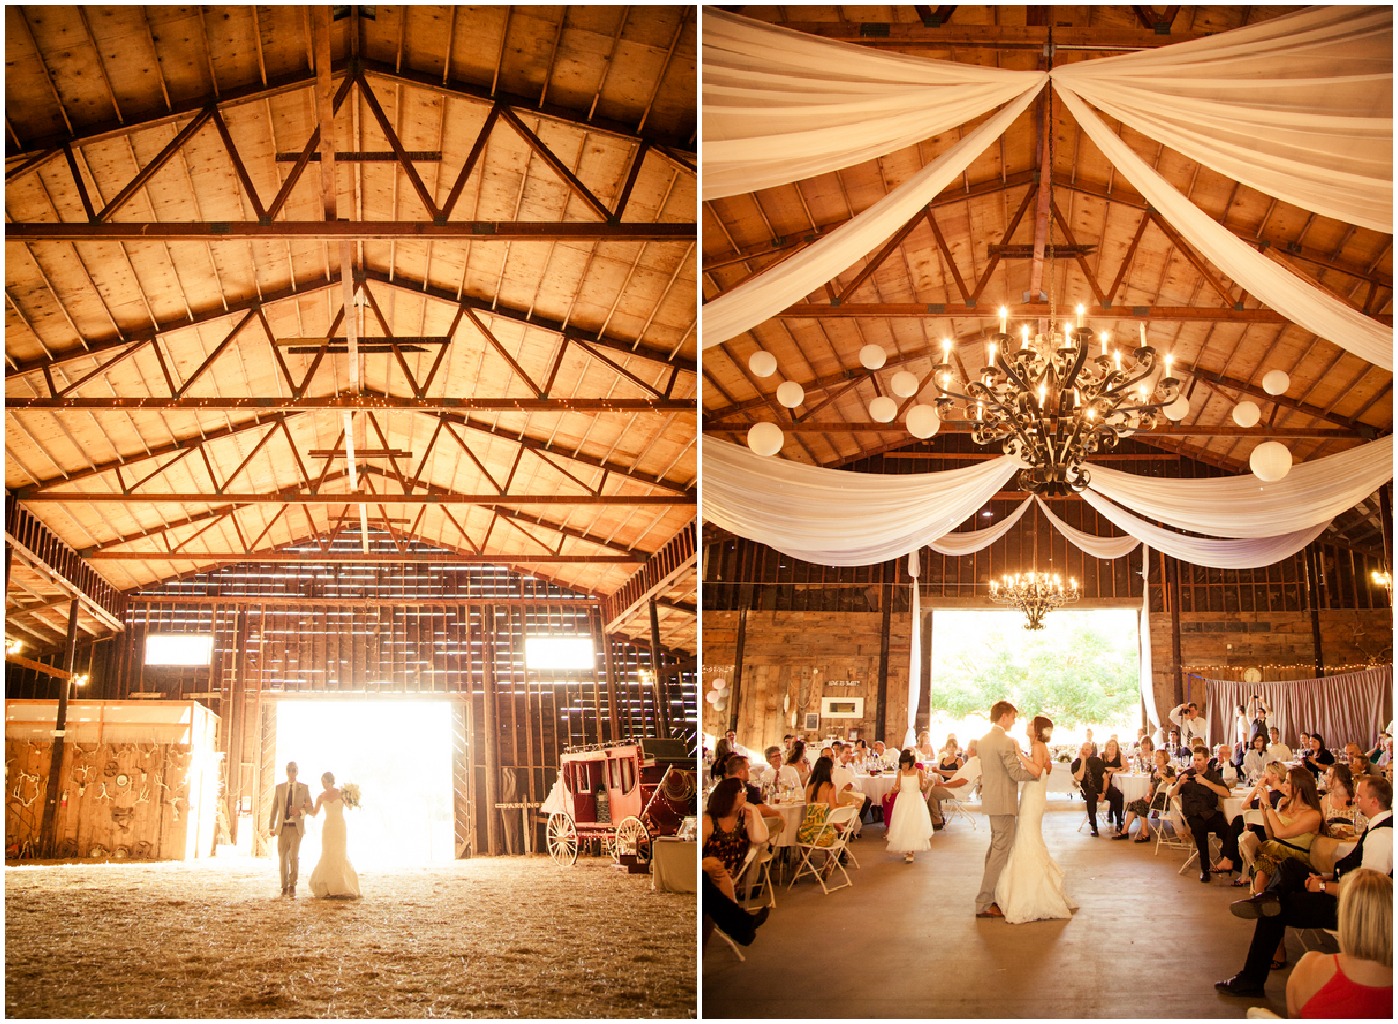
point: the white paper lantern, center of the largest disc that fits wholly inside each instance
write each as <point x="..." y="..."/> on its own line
<point x="1276" y="382"/>
<point x="712" y="696"/>
<point x="790" y="394"/>
<point x="882" y="410"/>
<point x="1246" y="414"/>
<point x="871" y="357"/>
<point x="903" y="384"/>
<point x="1177" y="410"/>
<point x="766" y="438"/>
<point x="719" y="683"/>
<point x="923" y="421"/>
<point x="762" y="364"/>
<point x="1270" y="461"/>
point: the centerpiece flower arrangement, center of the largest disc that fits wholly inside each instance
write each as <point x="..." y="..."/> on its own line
<point x="349" y="793"/>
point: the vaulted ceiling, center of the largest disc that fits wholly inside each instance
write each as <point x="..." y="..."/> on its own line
<point x="413" y="275"/>
<point x="984" y="242"/>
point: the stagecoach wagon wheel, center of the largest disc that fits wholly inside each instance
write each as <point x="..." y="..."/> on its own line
<point x="562" y="838"/>
<point x="632" y="836"/>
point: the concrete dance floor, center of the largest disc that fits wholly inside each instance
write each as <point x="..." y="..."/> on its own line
<point x="903" y="941"/>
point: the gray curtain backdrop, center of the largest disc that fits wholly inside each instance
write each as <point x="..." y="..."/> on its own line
<point x="1353" y="706"/>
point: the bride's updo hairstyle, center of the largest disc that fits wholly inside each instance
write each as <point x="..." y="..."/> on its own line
<point x="1039" y="728"/>
<point x="327" y="780"/>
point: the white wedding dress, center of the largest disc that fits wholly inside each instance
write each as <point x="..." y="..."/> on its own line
<point x="1031" y="886"/>
<point x="334" y="875"/>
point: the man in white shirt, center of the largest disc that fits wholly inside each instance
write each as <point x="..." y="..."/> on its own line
<point x="842" y="775"/>
<point x="781" y="776"/>
<point x="1277" y="750"/>
<point x="886" y="757"/>
<point x="958" y="786"/>
<point x="1191" y="726"/>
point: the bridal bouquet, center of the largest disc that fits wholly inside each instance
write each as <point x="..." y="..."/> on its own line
<point x="349" y="793"/>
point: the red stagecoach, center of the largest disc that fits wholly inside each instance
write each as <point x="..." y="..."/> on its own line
<point x="618" y="796"/>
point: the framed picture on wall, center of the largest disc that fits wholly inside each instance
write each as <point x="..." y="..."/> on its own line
<point x="812" y="721"/>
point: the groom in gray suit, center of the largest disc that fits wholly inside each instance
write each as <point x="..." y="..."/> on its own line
<point x="289" y="807"/>
<point x="1001" y="773"/>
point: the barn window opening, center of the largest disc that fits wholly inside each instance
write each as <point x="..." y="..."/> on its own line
<point x="179" y="649"/>
<point x="559" y="653"/>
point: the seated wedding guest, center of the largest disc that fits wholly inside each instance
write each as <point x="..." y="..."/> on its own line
<point x="725" y="835"/>
<point x="1255" y="760"/>
<point x="1358" y="760"/>
<point x="1304" y="745"/>
<point x="797" y="759"/>
<point x="1337" y="805"/>
<point x="722" y="749"/>
<point x="728" y="916"/>
<point x="1088" y="773"/>
<point x="1304" y="899"/>
<point x="779" y="776"/>
<point x="787" y="740"/>
<point x="882" y="754"/>
<point x="1199" y="790"/>
<point x="842" y="774"/>
<point x="1292" y="827"/>
<point x="1356" y="982"/>
<point x="1382" y="744"/>
<point x="736" y="767"/>
<point x="859" y="754"/>
<point x="950" y="761"/>
<point x="1112" y="763"/>
<point x="1173" y="744"/>
<point x="1247" y="839"/>
<point x="924" y="749"/>
<point x="1162" y="774"/>
<point x="1145" y="754"/>
<point x="1223" y="760"/>
<point x="1316" y="759"/>
<point x="821" y="799"/>
<point x="1277" y="750"/>
<point x="958" y="786"/>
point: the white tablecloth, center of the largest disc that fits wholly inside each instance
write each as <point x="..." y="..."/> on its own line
<point x="1133" y="786"/>
<point x="674" y="864"/>
<point x="792" y="814"/>
<point x="1060" y="780"/>
<point x="876" y="787"/>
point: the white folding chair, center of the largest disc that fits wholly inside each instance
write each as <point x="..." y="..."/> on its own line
<point x="1170" y="829"/>
<point x="952" y="807"/>
<point x="833" y="839"/>
<point x="757" y="873"/>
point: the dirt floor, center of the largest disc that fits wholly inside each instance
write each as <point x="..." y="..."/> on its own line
<point x="488" y="937"/>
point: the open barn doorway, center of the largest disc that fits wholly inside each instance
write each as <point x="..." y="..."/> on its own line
<point x="398" y="752"/>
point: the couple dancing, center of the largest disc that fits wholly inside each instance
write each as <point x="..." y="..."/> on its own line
<point x="333" y="875"/>
<point x="1021" y="881"/>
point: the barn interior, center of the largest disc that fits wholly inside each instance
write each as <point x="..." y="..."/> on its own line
<point x="350" y="417"/>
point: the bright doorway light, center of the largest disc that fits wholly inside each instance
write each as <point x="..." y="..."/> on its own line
<point x="179" y="648"/>
<point x="399" y="753"/>
<point x="559" y="652"/>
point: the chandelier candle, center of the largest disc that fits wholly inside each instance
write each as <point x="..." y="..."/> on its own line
<point x="1034" y="593"/>
<point x="1053" y="405"/>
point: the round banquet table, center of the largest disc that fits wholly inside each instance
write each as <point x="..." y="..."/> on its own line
<point x="876" y="787"/>
<point x="1061" y="780"/>
<point x="1134" y="786"/>
<point x="791" y="813"/>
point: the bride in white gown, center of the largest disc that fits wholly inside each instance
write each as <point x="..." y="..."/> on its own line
<point x="1031" y="886"/>
<point x="333" y="875"/>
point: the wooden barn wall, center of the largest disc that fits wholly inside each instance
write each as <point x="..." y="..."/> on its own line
<point x="284" y="631"/>
<point x="808" y="622"/>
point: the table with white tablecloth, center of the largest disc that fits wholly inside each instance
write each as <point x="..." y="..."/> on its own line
<point x="1061" y="780"/>
<point x="1133" y="786"/>
<point x="674" y="864"/>
<point x="792" y="815"/>
<point x="876" y="787"/>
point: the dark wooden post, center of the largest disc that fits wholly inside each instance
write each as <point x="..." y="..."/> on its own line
<point x="737" y="680"/>
<point x="1172" y="582"/>
<point x="612" y="719"/>
<point x="1386" y="524"/>
<point x="924" y="696"/>
<point x="886" y="593"/>
<point x="492" y="740"/>
<point x="1311" y="562"/>
<point x="48" y="839"/>
<point x="657" y="664"/>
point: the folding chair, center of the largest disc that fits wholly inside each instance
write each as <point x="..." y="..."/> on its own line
<point x="833" y="841"/>
<point x="1170" y="829"/>
<point x="953" y="807"/>
<point x="757" y="872"/>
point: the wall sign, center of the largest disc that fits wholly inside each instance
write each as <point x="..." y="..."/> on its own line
<point x="842" y="707"/>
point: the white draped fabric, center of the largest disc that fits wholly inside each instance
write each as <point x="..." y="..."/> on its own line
<point x="1299" y="107"/>
<point x="1290" y="295"/>
<point x="780" y="105"/>
<point x="1243" y="506"/>
<point x="914" y="651"/>
<point x="835" y="517"/>
<point x="1220" y="554"/>
<point x="771" y="291"/>
<point x="1105" y="548"/>
<point x="969" y="543"/>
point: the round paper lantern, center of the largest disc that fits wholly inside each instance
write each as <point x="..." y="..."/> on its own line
<point x="762" y="364"/>
<point x="1276" y="382"/>
<point x="923" y="421"/>
<point x="1246" y="414"/>
<point x="1177" y="410"/>
<point x="791" y="394"/>
<point x="871" y="357"/>
<point x="1270" y="461"/>
<point x="711" y="696"/>
<point x="882" y="410"/>
<point x="719" y="683"/>
<point x="903" y="384"/>
<point x="766" y="438"/>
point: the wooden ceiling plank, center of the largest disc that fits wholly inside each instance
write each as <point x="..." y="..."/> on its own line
<point x="239" y="167"/>
<point x="219" y="349"/>
<point x="547" y="458"/>
<point x="558" y="166"/>
<point x="885" y="251"/>
<point x="685" y="13"/>
<point x="500" y="349"/>
<point x="1197" y="261"/>
<point x="477" y="149"/>
<point x="618" y="368"/>
<point x="632" y="173"/>
<point x="144" y="174"/>
<point x="1081" y="260"/>
<point x="995" y="260"/>
<point x="44" y="64"/>
<point x="272" y="430"/>
<point x="947" y="257"/>
<point x="442" y="350"/>
<point x="395" y="144"/>
<point x="79" y="183"/>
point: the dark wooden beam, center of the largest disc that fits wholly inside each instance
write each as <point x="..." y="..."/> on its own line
<point x="350" y="402"/>
<point x="311" y="557"/>
<point x="960" y="427"/>
<point x="1030" y="310"/>
<point x="319" y="230"/>
<point x="431" y="498"/>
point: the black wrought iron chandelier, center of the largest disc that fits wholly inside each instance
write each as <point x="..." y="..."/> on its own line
<point x="1034" y="593"/>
